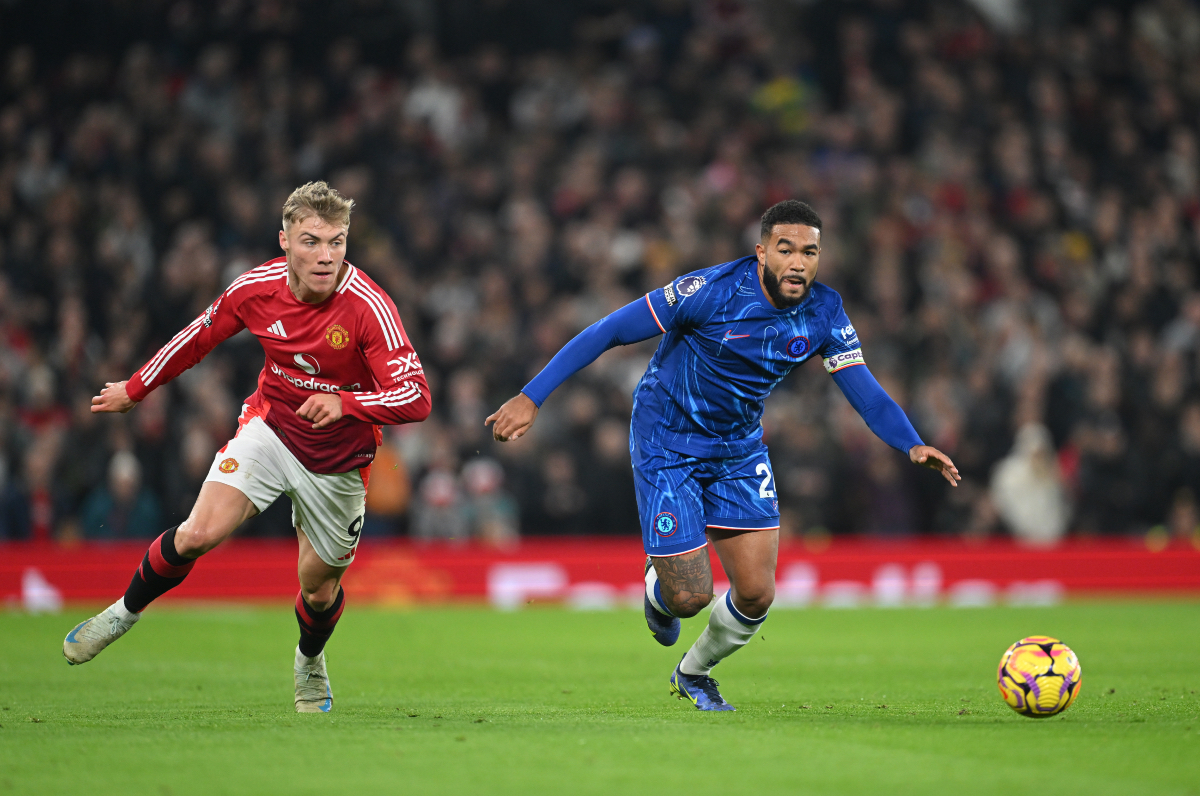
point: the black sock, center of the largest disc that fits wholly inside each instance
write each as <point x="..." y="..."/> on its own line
<point x="162" y="569"/>
<point x="317" y="626"/>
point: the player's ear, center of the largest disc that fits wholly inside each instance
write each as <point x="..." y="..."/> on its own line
<point x="283" y="244"/>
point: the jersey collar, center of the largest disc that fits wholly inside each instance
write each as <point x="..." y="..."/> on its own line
<point x="345" y="278"/>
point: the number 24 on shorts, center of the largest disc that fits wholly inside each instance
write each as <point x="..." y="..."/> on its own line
<point x="763" y="491"/>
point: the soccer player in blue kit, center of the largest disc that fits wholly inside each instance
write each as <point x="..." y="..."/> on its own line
<point x="730" y="334"/>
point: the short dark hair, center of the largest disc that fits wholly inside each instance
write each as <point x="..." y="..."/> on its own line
<point x="789" y="211"/>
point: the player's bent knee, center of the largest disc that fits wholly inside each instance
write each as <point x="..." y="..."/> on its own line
<point x="194" y="539"/>
<point x="323" y="596"/>
<point x="755" y="602"/>
<point x="688" y="604"/>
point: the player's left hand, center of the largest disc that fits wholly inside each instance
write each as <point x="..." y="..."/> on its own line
<point x="513" y="419"/>
<point x="934" y="459"/>
<point x="324" y="410"/>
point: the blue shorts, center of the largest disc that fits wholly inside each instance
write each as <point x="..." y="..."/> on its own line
<point x="679" y="496"/>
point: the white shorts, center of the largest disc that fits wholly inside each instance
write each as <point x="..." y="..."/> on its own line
<point x="329" y="507"/>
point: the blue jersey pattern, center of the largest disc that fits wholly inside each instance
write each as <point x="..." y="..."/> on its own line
<point x="724" y="348"/>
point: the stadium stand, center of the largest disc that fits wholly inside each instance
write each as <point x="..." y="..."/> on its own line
<point x="1012" y="216"/>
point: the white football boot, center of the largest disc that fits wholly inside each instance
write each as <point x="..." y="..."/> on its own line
<point x="93" y="635"/>
<point x="312" y="684"/>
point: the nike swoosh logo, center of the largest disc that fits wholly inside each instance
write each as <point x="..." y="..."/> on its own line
<point x="71" y="635"/>
<point x="729" y="335"/>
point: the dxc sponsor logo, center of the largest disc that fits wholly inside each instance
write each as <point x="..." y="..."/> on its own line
<point x="405" y="364"/>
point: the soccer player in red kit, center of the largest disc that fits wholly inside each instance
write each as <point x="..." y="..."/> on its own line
<point x="338" y="366"/>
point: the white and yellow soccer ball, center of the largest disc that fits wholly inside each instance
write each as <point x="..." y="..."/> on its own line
<point x="1039" y="677"/>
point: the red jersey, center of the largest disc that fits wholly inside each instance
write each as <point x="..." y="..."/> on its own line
<point x="352" y="344"/>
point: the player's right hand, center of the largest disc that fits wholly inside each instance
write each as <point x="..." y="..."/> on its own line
<point x="513" y="419"/>
<point x="113" y="398"/>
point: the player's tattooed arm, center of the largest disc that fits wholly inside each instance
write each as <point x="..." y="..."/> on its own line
<point x="934" y="459"/>
<point x="686" y="579"/>
<point x="513" y="419"/>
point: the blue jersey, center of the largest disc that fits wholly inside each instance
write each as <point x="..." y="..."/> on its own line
<point x="724" y="348"/>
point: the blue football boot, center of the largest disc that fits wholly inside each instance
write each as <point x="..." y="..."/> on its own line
<point x="664" y="628"/>
<point x="700" y="689"/>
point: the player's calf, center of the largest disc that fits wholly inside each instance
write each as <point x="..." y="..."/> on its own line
<point x="163" y="568"/>
<point x="663" y="624"/>
<point x="685" y="582"/>
<point x="316" y="626"/>
<point x="313" y="693"/>
<point x="728" y="630"/>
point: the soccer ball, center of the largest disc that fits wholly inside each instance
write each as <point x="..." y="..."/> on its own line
<point x="1039" y="676"/>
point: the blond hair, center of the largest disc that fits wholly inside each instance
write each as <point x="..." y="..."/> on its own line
<point x="317" y="199"/>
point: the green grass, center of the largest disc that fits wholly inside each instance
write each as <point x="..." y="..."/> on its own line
<point x="551" y="701"/>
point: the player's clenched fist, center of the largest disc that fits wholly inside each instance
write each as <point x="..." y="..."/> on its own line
<point x="323" y="410"/>
<point x="513" y="419"/>
<point x="113" y="398"/>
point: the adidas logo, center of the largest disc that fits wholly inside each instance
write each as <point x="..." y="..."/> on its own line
<point x="277" y="328"/>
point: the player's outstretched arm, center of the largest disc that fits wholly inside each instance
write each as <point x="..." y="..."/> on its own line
<point x="888" y="422"/>
<point x="512" y="420"/>
<point x="632" y="323"/>
<point x="113" y="398"/>
<point x="219" y="322"/>
<point x="934" y="459"/>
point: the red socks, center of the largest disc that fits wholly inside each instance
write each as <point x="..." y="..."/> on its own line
<point x="162" y="569"/>
<point x="317" y="626"/>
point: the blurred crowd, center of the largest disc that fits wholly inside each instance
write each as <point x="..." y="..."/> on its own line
<point x="1012" y="216"/>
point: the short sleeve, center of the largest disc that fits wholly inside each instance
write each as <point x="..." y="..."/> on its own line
<point x="680" y="303"/>
<point x="841" y="348"/>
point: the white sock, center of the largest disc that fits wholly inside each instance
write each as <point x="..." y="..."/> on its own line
<point x="126" y="615"/>
<point x="654" y="592"/>
<point x="727" y="632"/>
<point x="303" y="660"/>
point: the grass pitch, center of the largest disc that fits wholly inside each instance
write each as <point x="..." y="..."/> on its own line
<point x="551" y="701"/>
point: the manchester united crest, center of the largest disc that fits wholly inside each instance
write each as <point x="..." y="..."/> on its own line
<point x="228" y="466"/>
<point x="337" y="336"/>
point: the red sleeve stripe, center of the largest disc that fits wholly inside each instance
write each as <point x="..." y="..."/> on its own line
<point x="162" y="351"/>
<point x="384" y="304"/>
<point x="260" y="271"/>
<point x="407" y="388"/>
<point x="394" y="398"/>
<point x="152" y="368"/>
<point x="393" y="404"/>
<point x="251" y="277"/>
<point x="655" y="314"/>
<point x="391" y="334"/>
<point x="382" y="312"/>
